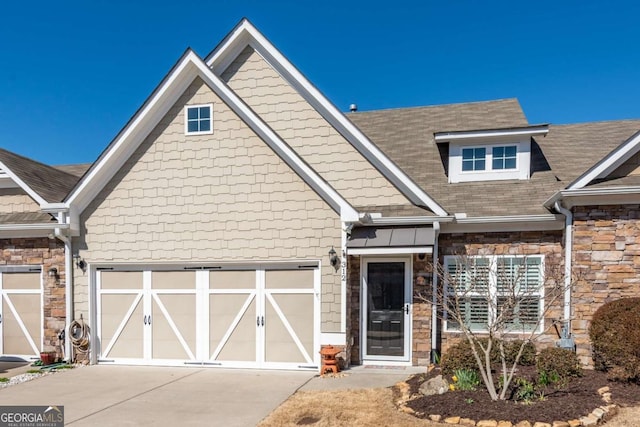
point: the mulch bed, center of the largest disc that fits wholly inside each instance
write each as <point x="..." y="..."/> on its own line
<point x="576" y="400"/>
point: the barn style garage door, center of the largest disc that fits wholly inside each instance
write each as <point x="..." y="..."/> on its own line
<point x="21" y="312"/>
<point x="254" y="318"/>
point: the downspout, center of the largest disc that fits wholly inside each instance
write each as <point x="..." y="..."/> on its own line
<point x="434" y="297"/>
<point x="68" y="291"/>
<point x="568" y="250"/>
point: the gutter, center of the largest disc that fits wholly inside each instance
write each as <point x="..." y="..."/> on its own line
<point x="434" y="298"/>
<point x="35" y="226"/>
<point x="578" y="192"/>
<point x="407" y="220"/>
<point x="511" y="218"/>
<point x="68" y="288"/>
<point x="568" y="251"/>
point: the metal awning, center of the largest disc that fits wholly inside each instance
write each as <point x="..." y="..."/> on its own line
<point x="390" y="240"/>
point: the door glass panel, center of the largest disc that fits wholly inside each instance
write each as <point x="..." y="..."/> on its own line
<point x="385" y="308"/>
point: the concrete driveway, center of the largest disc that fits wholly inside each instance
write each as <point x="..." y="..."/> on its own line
<point x="159" y="396"/>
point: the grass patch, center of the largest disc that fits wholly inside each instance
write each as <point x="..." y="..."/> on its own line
<point x="369" y="408"/>
<point x="355" y="408"/>
<point x="4" y="380"/>
<point x="34" y="371"/>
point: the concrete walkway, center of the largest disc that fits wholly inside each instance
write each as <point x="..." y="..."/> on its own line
<point x="159" y="396"/>
<point x="105" y="395"/>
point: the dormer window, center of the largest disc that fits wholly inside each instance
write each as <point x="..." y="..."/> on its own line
<point x="504" y="157"/>
<point x="198" y="119"/>
<point x="490" y="155"/>
<point x="473" y="159"/>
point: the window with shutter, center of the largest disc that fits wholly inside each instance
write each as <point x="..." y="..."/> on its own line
<point x="507" y="289"/>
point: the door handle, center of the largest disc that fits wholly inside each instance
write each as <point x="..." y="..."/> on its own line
<point x="145" y="320"/>
<point x="406" y="308"/>
<point x="149" y="320"/>
<point x="262" y="321"/>
<point x="257" y="320"/>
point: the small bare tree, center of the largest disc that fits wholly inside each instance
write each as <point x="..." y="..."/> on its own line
<point x="490" y="298"/>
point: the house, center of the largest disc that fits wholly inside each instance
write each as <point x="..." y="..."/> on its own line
<point x="239" y="219"/>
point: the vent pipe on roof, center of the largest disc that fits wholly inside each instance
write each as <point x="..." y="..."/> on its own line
<point x="353" y="108"/>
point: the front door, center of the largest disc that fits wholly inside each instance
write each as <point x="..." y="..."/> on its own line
<point x="386" y="309"/>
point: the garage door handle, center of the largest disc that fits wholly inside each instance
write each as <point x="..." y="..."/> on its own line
<point x="145" y="320"/>
<point x="257" y="320"/>
<point x="262" y="320"/>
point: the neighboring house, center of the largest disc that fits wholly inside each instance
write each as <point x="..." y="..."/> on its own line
<point x="32" y="262"/>
<point x="239" y="219"/>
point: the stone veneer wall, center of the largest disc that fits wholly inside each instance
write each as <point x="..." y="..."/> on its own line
<point x="606" y="249"/>
<point x="44" y="253"/>
<point x="421" y="311"/>
<point x="547" y="243"/>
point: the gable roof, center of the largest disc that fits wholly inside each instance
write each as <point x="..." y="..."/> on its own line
<point x="245" y="34"/>
<point x="43" y="183"/>
<point x="189" y="67"/>
<point x="616" y="140"/>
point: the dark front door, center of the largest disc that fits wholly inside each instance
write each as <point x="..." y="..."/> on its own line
<point x="386" y="309"/>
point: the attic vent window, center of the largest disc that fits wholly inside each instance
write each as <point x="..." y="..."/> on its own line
<point x="199" y="119"/>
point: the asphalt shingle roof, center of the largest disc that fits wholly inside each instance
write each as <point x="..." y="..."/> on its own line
<point x="48" y="182"/>
<point x="406" y="136"/>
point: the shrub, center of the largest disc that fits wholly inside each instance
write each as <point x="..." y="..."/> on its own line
<point x="528" y="356"/>
<point x="460" y="356"/>
<point x="615" y="337"/>
<point x="560" y="363"/>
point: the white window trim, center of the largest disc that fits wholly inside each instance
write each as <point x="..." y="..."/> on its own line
<point x="493" y="291"/>
<point x="186" y="119"/>
<point x="520" y="172"/>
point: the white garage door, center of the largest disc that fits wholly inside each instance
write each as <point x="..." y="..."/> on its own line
<point x="21" y="312"/>
<point x="257" y="318"/>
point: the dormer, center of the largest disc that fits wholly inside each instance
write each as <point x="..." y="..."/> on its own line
<point x="490" y="154"/>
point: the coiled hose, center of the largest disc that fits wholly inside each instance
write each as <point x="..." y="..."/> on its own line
<point x="79" y="335"/>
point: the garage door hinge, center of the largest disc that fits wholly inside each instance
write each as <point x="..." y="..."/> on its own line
<point x="307" y="266"/>
<point x="104" y="268"/>
<point x="203" y="268"/>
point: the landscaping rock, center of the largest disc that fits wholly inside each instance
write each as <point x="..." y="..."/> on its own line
<point x="437" y="385"/>
<point x="452" y="420"/>
<point x="505" y="424"/>
<point x="539" y="424"/>
<point x="467" y="422"/>
<point x="435" y="417"/>
<point x="574" y="423"/>
<point x="524" y="423"/>
<point x="603" y="390"/>
<point x="487" y="423"/>
<point x="589" y="421"/>
<point x="598" y="413"/>
<point x="560" y="424"/>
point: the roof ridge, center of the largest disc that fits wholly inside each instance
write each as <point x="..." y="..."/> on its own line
<point x="420" y="107"/>
<point x="596" y="122"/>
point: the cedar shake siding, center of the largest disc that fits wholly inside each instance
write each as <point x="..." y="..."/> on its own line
<point x="308" y="133"/>
<point x="223" y="197"/>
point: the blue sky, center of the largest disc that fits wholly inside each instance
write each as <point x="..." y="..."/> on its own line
<point x="72" y="73"/>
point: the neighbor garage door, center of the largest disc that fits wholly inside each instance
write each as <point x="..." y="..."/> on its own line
<point x="21" y="312"/>
<point x="254" y="318"/>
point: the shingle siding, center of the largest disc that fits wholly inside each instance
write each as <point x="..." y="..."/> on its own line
<point x="308" y="133"/>
<point x="220" y="197"/>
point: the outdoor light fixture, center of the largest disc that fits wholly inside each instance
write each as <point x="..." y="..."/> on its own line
<point x="333" y="258"/>
<point x="80" y="263"/>
<point x="53" y="272"/>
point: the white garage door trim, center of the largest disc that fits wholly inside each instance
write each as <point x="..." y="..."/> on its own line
<point x="257" y="298"/>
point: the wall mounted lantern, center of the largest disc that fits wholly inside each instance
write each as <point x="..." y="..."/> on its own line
<point x="333" y="258"/>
